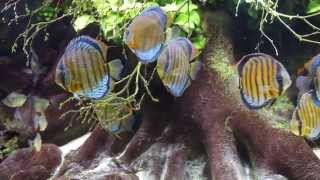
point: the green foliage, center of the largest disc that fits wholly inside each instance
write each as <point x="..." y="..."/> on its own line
<point x="313" y="6"/>
<point x="114" y="16"/>
<point x="46" y="13"/>
<point x="282" y="104"/>
<point x="8" y="147"/>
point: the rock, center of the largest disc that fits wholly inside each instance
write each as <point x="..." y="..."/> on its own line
<point x="34" y="173"/>
<point x="98" y="149"/>
<point x="26" y="162"/>
<point x="13" y="78"/>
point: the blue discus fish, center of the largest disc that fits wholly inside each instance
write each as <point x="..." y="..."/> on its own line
<point x="145" y="34"/>
<point x="82" y="69"/>
<point x="315" y="75"/>
<point x="173" y="65"/>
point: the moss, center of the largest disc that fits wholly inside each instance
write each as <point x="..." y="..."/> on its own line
<point x="282" y="104"/>
<point x="8" y="147"/>
<point x="220" y="63"/>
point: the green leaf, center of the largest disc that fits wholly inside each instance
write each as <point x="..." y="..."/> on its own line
<point x="184" y="22"/>
<point x="199" y="41"/>
<point x="181" y="19"/>
<point x="253" y="12"/>
<point x="313" y="6"/>
<point x="186" y="8"/>
<point x="82" y="21"/>
<point x="195" y="17"/>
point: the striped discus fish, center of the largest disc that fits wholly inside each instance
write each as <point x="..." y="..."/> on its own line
<point x="145" y="34"/>
<point x="173" y="65"/>
<point x="306" y="117"/>
<point x="82" y="70"/>
<point x="262" y="80"/>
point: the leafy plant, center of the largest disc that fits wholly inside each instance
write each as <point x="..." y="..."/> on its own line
<point x="313" y="6"/>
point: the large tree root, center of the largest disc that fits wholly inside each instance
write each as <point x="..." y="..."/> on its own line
<point x="275" y="150"/>
<point x="154" y="121"/>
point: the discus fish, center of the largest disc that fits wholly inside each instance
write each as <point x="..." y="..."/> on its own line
<point x="315" y="75"/>
<point x="173" y="65"/>
<point x="261" y="80"/>
<point x="82" y="69"/>
<point x="306" y="117"/>
<point x="145" y="34"/>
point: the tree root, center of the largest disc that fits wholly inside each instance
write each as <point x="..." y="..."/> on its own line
<point x="275" y="150"/>
<point x="153" y="123"/>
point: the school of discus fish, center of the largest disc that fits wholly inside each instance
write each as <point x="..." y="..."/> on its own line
<point x="262" y="79"/>
<point x="83" y="70"/>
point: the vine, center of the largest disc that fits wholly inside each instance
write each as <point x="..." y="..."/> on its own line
<point x="269" y="13"/>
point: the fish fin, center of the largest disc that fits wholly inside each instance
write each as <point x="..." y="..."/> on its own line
<point x="314" y="65"/>
<point x="195" y="67"/>
<point x="115" y="68"/>
<point x="14" y="99"/>
<point x="149" y="56"/>
<point x="84" y="41"/>
<point x="315" y="98"/>
<point x="284" y="79"/>
<point x="172" y="33"/>
<point x="249" y="105"/>
<point x="295" y="123"/>
<point x="160" y="13"/>
<point x="240" y="64"/>
<point x="315" y="134"/>
<point x="101" y="90"/>
<point x="37" y="142"/>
